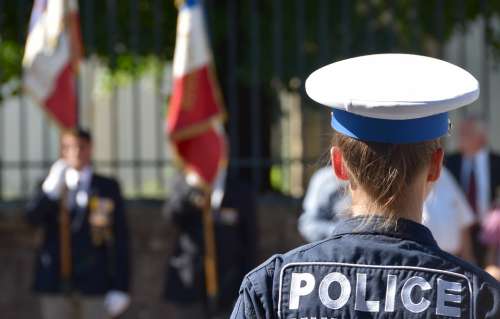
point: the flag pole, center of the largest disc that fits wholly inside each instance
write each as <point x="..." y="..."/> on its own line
<point x="76" y="53"/>
<point x="77" y="100"/>
<point x="65" y="242"/>
<point x="195" y="128"/>
<point x="210" y="258"/>
<point x="211" y="275"/>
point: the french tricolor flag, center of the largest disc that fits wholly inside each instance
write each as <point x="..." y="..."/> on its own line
<point x="53" y="50"/>
<point x="195" y="114"/>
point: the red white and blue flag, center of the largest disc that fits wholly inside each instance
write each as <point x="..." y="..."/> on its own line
<point x="52" y="53"/>
<point x="195" y="114"/>
<point x="194" y="123"/>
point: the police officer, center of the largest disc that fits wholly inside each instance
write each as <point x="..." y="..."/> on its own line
<point x="389" y="112"/>
<point x="82" y="267"/>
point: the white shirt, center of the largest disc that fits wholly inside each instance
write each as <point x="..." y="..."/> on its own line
<point x="446" y="213"/>
<point x="80" y="178"/>
<point x="73" y="179"/>
<point x="79" y="181"/>
<point x="481" y="162"/>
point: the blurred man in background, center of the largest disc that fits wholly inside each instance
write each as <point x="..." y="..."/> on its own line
<point x="235" y="240"/>
<point x="325" y="201"/>
<point x="449" y="217"/>
<point x="82" y="269"/>
<point x="446" y="212"/>
<point x="477" y="171"/>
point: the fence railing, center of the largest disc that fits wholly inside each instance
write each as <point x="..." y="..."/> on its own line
<point x="261" y="49"/>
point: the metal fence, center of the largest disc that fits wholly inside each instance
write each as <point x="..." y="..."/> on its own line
<point x="263" y="50"/>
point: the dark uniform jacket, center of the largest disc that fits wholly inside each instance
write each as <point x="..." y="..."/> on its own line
<point x="100" y="255"/>
<point x="364" y="272"/>
<point x="235" y="241"/>
<point x="454" y="163"/>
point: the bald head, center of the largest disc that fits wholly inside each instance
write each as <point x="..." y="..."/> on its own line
<point x="472" y="135"/>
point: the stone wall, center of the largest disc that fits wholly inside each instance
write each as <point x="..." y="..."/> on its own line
<point x="150" y="242"/>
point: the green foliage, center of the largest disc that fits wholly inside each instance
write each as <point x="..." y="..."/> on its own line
<point x="127" y="33"/>
<point x="146" y="28"/>
<point x="10" y="68"/>
<point x="128" y="67"/>
<point x="11" y="58"/>
<point x="125" y="37"/>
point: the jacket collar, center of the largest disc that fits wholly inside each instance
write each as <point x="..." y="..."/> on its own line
<point x="79" y="179"/>
<point x="404" y="228"/>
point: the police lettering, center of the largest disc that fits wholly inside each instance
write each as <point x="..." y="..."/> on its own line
<point x="448" y="298"/>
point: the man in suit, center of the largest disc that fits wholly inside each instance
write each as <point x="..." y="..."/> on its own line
<point x="82" y="267"/>
<point x="477" y="170"/>
<point x="235" y="240"/>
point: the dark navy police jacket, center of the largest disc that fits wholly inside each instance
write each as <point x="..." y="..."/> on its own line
<point x="364" y="272"/>
<point x="96" y="268"/>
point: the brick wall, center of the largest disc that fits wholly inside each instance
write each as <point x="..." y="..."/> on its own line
<point x="150" y="242"/>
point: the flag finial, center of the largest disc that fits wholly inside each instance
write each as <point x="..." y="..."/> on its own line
<point x="179" y="3"/>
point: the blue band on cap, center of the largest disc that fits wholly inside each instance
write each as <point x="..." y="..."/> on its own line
<point x="191" y="3"/>
<point x="390" y="131"/>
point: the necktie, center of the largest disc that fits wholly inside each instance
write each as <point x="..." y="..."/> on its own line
<point x="471" y="190"/>
<point x="72" y="198"/>
<point x="77" y="211"/>
<point x="65" y="239"/>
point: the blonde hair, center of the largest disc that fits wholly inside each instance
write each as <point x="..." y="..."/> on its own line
<point x="384" y="170"/>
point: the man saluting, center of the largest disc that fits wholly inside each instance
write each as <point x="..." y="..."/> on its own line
<point x="82" y="265"/>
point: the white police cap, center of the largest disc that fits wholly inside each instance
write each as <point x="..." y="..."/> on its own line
<point x="392" y="98"/>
